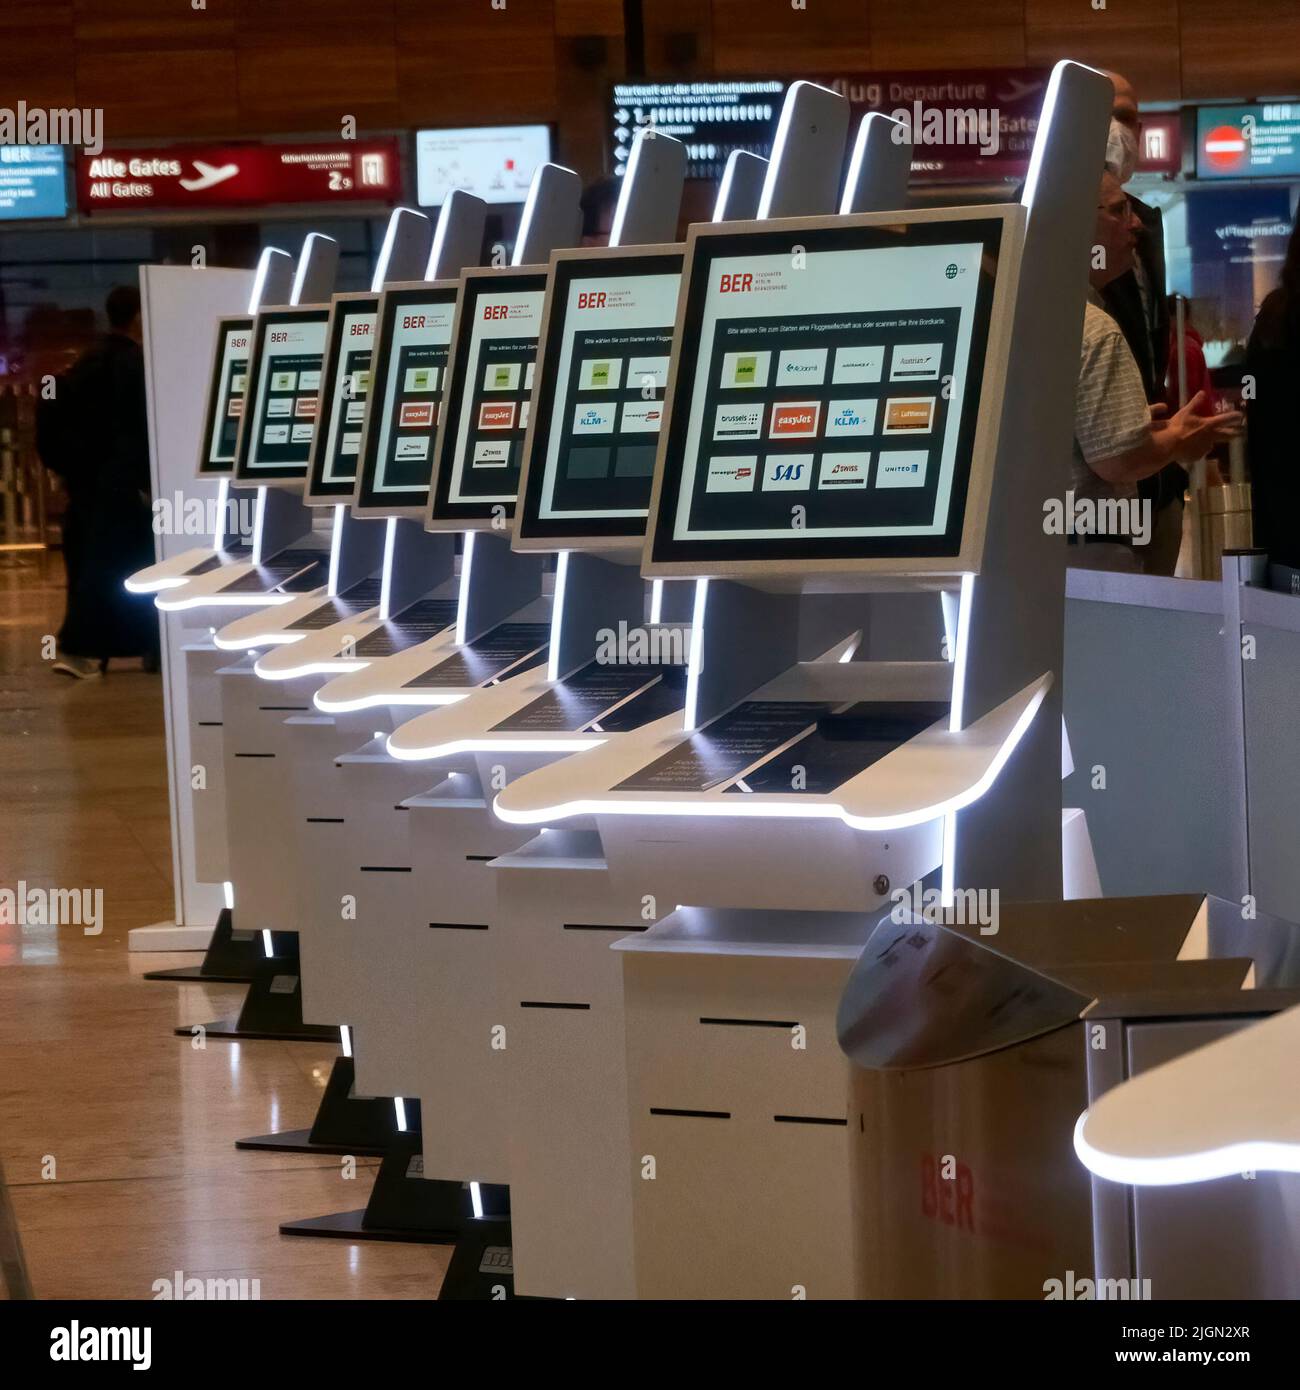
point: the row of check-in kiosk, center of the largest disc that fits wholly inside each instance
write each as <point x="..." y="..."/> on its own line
<point x="634" y="729"/>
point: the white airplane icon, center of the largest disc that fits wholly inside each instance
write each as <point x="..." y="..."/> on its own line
<point x="1016" y="88"/>
<point x="211" y="175"/>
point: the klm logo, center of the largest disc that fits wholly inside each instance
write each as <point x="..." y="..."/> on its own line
<point x="849" y="420"/>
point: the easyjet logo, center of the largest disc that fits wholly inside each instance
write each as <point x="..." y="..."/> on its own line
<point x="795" y="420"/>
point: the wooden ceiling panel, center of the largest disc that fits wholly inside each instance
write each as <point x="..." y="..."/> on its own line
<point x="1138" y="40"/>
<point x="167" y="93"/>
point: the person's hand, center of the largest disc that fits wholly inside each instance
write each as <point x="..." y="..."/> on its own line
<point x="1158" y="411"/>
<point x="1195" y="435"/>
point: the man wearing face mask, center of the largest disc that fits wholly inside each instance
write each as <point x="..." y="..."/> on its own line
<point x="1136" y="301"/>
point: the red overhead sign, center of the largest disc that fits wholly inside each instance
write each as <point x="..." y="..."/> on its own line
<point x="239" y="175"/>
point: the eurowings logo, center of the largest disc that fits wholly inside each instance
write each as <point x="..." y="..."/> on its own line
<point x="209" y="176"/>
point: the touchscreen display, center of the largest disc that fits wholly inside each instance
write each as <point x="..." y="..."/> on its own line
<point x="226" y="395"/>
<point x="480" y="441"/>
<point x="600" y="398"/>
<point x="828" y="392"/>
<point x="285" y="383"/>
<point x="409" y="379"/>
<point x="336" y="449"/>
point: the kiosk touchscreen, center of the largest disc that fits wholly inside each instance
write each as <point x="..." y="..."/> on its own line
<point x="590" y="450"/>
<point x="825" y="409"/>
<point x="479" y="446"/>
<point x="226" y="395"/>
<point x="346" y="372"/>
<point x="284" y="384"/>
<point x="414" y="336"/>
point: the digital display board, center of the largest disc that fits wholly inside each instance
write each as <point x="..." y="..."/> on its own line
<point x="495" y="163"/>
<point x="226" y="395"/>
<point x="710" y="118"/>
<point x="485" y="411"/>
<point x="345" y="372"/>
<point x="824" y="401"/>
<point x="414" y="337"/>
<point x="32" y="182"/>
<point x="603" y="372"/>
<point x="1248" y="142"/>
<point x="283" y="398"/>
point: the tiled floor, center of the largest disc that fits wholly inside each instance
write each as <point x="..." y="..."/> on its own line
<point x="116" y="1137"/>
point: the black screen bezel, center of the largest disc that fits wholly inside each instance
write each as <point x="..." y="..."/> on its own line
<point x="441" y="509"/>
<point x="227" y="323"/>
<point x="666" y="548"/>
<point x="410" y="499"/>
<point x="531" y="524"/>
<point x="266" y="319"/>
<point x="340" y="309"/>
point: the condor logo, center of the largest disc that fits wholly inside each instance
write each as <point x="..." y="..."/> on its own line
<point x="592" y="299"/>
<point x="795" y="420"/>
<point x="735" y="284"/>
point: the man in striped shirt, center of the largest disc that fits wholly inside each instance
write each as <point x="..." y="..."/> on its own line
<point x="1118" y="438"/>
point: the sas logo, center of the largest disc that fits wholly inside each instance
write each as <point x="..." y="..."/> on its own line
<point x="592" y="299"/>
<point x="788" y="473"/>
<point x="795" y="420"/>
<point x="731" y="475"/>
<point x="735" y="284"/>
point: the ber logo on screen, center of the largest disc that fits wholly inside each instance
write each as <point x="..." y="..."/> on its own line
<point x="736" y="283"/>
<point x="495" y="311"/>
<point x="592" y="299"/>
<point x="795" y="420"/>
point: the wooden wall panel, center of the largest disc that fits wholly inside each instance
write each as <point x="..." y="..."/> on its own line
<point x="161" y="94"/>
<point x="942" y="34"/>
<point x="576" y="17"/>
<point x="1138" y="38"/>
<point x="314" y="88"/>
<point x="1246" y="48"/>
<point x="290" y="24"/>
<point x="768" y="38"/>
<point x="37" y="53"/>
<point x="678" y="40"/>
<point x="141" y="25"/>
<point x="470" y="64"/>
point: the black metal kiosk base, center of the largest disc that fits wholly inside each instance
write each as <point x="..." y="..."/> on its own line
<point x="344" y="1123"/>
<point x="231" y="957"/>
<point x="405" y="1206"/>
<point x="272" y="1008"/>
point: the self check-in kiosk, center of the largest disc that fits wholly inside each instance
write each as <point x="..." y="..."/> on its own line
<point x="856" y="406"/>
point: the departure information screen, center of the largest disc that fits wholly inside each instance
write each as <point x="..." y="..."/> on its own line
<point x="600" y="398"/>
<point x="284" y="388"/>
<point x="336" y="448"/>
<point x="827" y="393"/>
<point x="480" y="441"/>
<point x="409" y="378"/>
<point x="226" y="395"/>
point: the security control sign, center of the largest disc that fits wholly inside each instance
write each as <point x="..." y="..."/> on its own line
<point x="32" y="182"/>
<point x="1248" y="142"/>
<point x="241" y="175"/>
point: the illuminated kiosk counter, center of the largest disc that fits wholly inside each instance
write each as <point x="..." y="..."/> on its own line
<point x="1170" y="1021"/>
<point x="857" y="407"/>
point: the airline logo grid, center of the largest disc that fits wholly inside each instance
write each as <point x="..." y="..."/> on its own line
<point x="502" y="379"/>
<point x="290" y="402"/>
<point x="609" y="420"/>
<point x="416" y="401"/>
<point x="817" y="406"/>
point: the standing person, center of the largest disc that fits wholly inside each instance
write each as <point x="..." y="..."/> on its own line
<point x="1137" y="301"/>
<point x="1117" y="442"/>
<point x="94" y="434"/>
<point x="1273" y="361"/>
